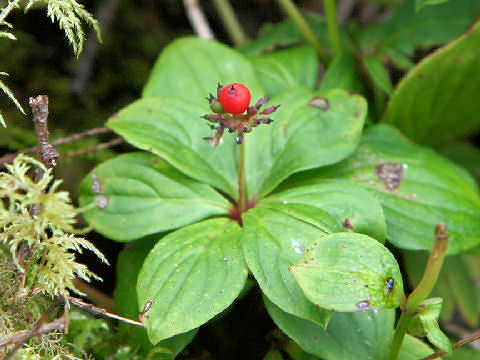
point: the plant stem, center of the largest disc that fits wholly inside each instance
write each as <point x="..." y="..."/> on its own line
<point x="332" y="26"/>
<point x="229" y="19"/>
<point x="242" y="194"/>
<point x="289" y="7"/>
<point x="423" y="289"/>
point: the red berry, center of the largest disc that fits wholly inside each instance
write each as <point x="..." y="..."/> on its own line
<point x="235" y="98"/>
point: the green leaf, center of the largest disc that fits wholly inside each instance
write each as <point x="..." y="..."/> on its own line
<point x="296" y="353"/>
<point x="419" y="4"/>
<point x="408" y="29"/>
<point x="454" y="284"/>
<point x="379" y="75"/>
<point x="350" y="336"/>
<point x="190" y="276"/>
<point x="416" y="187"/>
<point x="128" y="266"/>
<point x="273" y="355"/>
<point x="273" y="241"/>
<point x="414" y="265"/>
<point x="342" y="73"/>
<point x="172" y="128"/>
<point x="352" y="207"/>
<point x="433" y="104"/>
<point x="138" y="194"/>
<point x="285" y="34"/>
<point x="464" y="353"/>
<point x="427" y="318"/>
<point x="311" y="129"/>
<point x="283" y="69"/>
<point x="464" y="154"/>
<point x="414" y="349"/>
<point x="349" y="272"/>
<point x="190" y="68"/>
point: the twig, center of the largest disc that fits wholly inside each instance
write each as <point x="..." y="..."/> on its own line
<point x="100" y="311"/>
<point x="46" y="151"/>
<point x="197" y="19"/>
<point x="39" y="329"/>
<point x="47" y="154"/>
<point x="8" y="158"/>
<point x="436" y="355"/>
<point x="94" y="148"/>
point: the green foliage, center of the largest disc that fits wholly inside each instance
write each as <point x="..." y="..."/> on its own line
<point x="416" y="187"/>
<point x="349" y="272"/>
<point x="445" y="115"/>
<point x="283" y="69"/>
<point x="426" y="322"/>
<point x="197" y="268"/>
<point x="454" y="285"/>
<point x="47" y="233"/>
<point x="340" y="340"/>
<point x="314" y="182"/>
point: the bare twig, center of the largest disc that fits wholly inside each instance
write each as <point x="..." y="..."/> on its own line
<point x="197" y="19"/>
<point x="94" y="148"/>
<point x="8" y="158"/>
<point x="436" y="355"/>
<point x="100" y="311"/>
<point x="40" y="328"/>
<point x="46" y="151"/>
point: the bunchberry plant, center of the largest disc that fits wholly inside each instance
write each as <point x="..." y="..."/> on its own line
<point x="304" y="205"/>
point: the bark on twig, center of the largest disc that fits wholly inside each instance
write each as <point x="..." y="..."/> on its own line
<point x="8" y="158"/>
<point x="46" y="152"/>
<point x="197" y="19"/>
<point x="100" y="311"/>
<point x="94" y="148"/>
<point x="59" y="324"/>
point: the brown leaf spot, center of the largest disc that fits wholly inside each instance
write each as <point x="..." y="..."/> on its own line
<point x="391" y="174"/>
<point x="363" y="305"/>
<point x="319" y="103"/>
<point x="102" y="201"/>
<point x="347" y="224"/>
<point x="97" y="186"/>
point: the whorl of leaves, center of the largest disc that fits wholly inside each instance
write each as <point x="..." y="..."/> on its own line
<point x="47" y="233"/>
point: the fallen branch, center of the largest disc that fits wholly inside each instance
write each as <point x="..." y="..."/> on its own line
<point x="100" y="311"/>
<point x="8" y="158"/>
<point x="94" y="148"/>
<point x="59" y="324"/>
